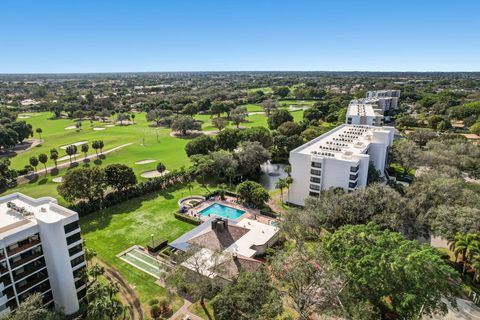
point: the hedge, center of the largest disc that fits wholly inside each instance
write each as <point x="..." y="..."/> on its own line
<point x="187" y="219"/>
<point x="140" y="189"/>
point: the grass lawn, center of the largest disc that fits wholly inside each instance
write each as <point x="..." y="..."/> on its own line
<point x="145" y="144"/>
<point x="198" y="310"/>
<point x="112" y="230"/>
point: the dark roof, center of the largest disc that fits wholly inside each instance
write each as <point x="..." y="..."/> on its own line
<point x="231" y="268"/>
<point x="219" y="240"/>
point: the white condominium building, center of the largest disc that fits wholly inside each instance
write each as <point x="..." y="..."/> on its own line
<point x="338" y="159"/>
<point x="41" y="250"/>
<point x="386" y="99"/>
<point x="359" y="112"/>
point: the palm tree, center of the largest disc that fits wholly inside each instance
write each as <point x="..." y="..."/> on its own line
<point x="95" y="271"/>
<point x="467" y="245"/>
<point x="39" y="131"/>
<point x="34" y="162"/>
<point x="70" y="151"/>
<point x="84" y="149"/>
<point x="95" y="146"/>
<point x="281" y="184"/>
<point x="476" y="266"/>
<point x="54" y="156"/>
<point x="190" y="188"/>
<point x="43" y="158"/>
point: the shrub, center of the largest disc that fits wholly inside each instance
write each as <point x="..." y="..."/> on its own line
<point x="187" y="219"/>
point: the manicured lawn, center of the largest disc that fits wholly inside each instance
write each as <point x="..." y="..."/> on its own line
<point x="145" y="144"/>
<point x="113" y="230"/>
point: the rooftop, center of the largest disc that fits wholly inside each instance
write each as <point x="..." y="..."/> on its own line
<point x="358" y="108"/>
<point x="238" y="238"/>
<point x="18" y="212"/>
<point x="341" y="142"/>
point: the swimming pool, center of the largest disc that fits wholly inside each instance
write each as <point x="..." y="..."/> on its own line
<point x="221" y="210"/>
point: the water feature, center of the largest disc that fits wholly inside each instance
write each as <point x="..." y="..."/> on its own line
<point x="271" y="173"/>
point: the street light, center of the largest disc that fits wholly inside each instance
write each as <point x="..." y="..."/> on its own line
<point x="152" y="241"/>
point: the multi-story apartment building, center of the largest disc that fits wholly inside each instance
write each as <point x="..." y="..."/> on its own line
<point x="41" y="250"/>
<point x="361" y="113"/>
<point x="338" y="159"/>
<point x="385" y="100"/>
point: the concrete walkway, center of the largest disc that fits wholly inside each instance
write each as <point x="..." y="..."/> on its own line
<point x="28" y="177"/>
<point x="183" y="311"/>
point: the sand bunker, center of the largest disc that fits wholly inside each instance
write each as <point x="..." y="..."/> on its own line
<point x="70" y="127"/>
<point x="98" y="128"/>
<point x="153" y="174"/>
<point x="109" y="125"/>
<point x="57" y="179"/>
<point x="145" y="161"/>
<point x="75" y="144"/>
<point x="23" y="116"/>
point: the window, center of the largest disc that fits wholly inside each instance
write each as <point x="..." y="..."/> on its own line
<point x="316" y="172"/>
<point x="316" y="164"/>
<point x="77" y="261"/>
<point x="71" y="226"/>
<point x="352" y="185"/>
<point x="76" y="249"/>
<point x="314" y="179"/>
<point x="354" y="177"/>
<point x="79" y="273"/>
<point x="354" y="169"/>
<point x="349" y="120"/>
<point x="314" y="187"/>
<point x="81" y="294"/>
<point x="314" y="194"/>
<point x="73" y="238"/>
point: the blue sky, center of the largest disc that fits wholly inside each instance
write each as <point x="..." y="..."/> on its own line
<point x="203" y="35"/>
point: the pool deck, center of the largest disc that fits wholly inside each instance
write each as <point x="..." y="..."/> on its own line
<point x="230" y="202"/>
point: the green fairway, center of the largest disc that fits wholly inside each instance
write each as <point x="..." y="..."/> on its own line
<point x="115" y="229"/>
<point x="145" y="144"/>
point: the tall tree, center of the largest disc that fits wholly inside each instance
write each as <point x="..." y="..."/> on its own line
<point x="43" y="158"/>
<point x="251" y="296"/>
<point x="120" y="176"/>
<point x="33" y="162"/>
<point x="54" y="156"/>
<point x="399" y="277"/>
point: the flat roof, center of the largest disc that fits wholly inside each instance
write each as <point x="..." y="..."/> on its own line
<point x="18" y="211"/>
<point x="357" y="108"/>
<point x="341" y="142"/>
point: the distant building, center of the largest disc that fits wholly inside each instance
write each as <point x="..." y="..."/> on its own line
<point x="41" y="250"/>
<point x="385" y="100"/>
<point x="361" y="113"/>
<point x="338" y="159"/>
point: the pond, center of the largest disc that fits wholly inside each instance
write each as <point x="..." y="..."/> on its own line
<point x="271" y="173"/>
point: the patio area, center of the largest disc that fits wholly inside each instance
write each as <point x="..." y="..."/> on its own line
<point x="230" y="202"/>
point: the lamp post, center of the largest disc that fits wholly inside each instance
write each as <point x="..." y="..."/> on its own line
<point x="152" y="241"/>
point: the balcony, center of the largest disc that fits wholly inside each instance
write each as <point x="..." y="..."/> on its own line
<point x="315" y="187"/>
<point x="354" y="169"/>
<point x="29" y="258"/>
<point x="354" y="177"/>
<point x="314" y="180"/>
<point x="23" y="247"/>
<point x="71" y="227"/>
<point x="316" y="164"/>
<point x="352" y="185"/>
<point x="74" y="250"/>
<point x="34" y="268"/>
<point x="32" y="283"/>
<point x="74" y="238"/>
<point x="315" y="172"/>
<point x="75" y="262"/>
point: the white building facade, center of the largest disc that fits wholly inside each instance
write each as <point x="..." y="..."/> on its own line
<point x="338" y="159"/>
<point x="41" y="250"/>
<point x="361" y="113"/>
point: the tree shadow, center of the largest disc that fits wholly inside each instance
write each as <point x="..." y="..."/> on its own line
<point x="97" y="162"/>
<point x="102" y="156"/>
<point x="43" y="181"/>
<point x="54" y="172"/>
<point x="32" y="178"/>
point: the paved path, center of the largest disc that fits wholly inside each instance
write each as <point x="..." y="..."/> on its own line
<point x="27" y="177"/>
<point x="184" y="311"/>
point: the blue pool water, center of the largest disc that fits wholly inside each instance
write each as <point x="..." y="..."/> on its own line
<point x="221" y="210"/>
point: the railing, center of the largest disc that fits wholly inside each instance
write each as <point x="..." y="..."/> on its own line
<point x="30" y="284"/>
<point x="23" y="247"/>
<point x="25" y="260"/>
